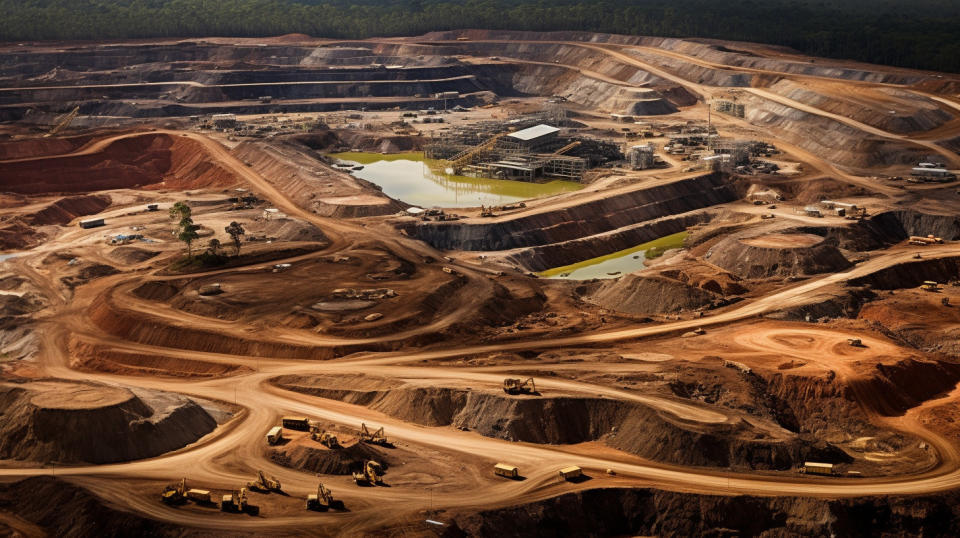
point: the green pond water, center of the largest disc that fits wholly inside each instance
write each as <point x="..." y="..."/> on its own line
<point x="414" y="180"/>
<point x="620" y="262"/>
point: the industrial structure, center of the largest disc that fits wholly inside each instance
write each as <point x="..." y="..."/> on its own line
<point x="523" y="149"/>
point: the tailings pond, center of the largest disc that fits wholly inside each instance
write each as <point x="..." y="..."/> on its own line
<point x="409" y="178"/>
<point x="617" y="263"/>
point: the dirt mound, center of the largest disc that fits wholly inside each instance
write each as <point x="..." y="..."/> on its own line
<point x="640" y="294"/>
<point x="341" y="461"/>
<point x="156" y="160"/>
<point x="60" y="508"/>
<point x="156" y="290"/>
<point x="636" y="428"/>
<point x="779" y="254"/>
<point x="129" y="255"/>
<point x="53" y="421"/>
<point x="37" y="147"/>
<point x="66" y="209"/>
<point x="651" y="512"/>
<point x="689" y="286"/>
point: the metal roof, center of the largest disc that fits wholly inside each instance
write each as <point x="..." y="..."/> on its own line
<point x="534" y="132"/>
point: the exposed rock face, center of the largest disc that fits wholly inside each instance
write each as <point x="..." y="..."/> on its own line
<point x="576" y="221"/>
<point x="651" y="512"/>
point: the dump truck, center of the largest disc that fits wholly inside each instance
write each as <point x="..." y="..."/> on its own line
<point x="371" y="474"/>
<point x="275" y="435"/>
<point x="234" y="502"/>
<point x="516" y="386"/>
<point x="321" y="500"/>
<point x="264" y="483"/>
<point x="928" y="240"/>
<point x="930" y="285"/>
<point x="199" y="495"/>
<point x="374" y="438"/>
<point x="569" y="473"/>
<point x="175" y="493"/>
<point x="296" y="423"/>
<point x="812" y="467"/>
<point x="506" y="471"/>
<point x="855" y="342"/>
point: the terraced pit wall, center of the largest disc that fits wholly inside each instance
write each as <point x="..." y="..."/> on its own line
<point x="577" y="221"/>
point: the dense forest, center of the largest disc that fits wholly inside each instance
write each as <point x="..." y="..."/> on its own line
<point x="914" y="33"/>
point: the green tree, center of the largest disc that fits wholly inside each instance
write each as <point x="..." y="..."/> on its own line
<point x="214" y="246"/>
<point x="235" y="230"/>
<point x="186" y="229"/>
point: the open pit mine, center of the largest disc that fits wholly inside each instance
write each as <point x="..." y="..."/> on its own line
<point x="476" y="283"/>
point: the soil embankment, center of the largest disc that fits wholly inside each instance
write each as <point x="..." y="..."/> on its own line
<point x="66" y="422"/>
<point x="628" y="426"/>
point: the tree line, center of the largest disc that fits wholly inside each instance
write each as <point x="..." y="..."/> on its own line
<point x="917" y="33"/>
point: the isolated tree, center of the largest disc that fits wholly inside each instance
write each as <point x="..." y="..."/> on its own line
<point x="236" y="231"/>
<point x="186" y="229"/>
<point x="214" y="246"/>
<point x="180" y="211"/>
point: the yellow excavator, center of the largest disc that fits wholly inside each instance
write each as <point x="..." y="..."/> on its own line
<point x="517" y="386"/>
<point x="264" y="483"/>
<point x="235" y="502"/>
<point x="370" y="475"/>
<point x="175" y="493"/>
<point x="321" y="500"/>
<point x="374" y="438"/>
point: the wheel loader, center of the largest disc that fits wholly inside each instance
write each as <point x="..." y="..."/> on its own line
<point x="370" y="475"/>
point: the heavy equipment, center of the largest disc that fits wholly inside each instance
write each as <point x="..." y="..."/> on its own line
<point x="296" y="423"/>
<point x="324" y="437"/>
<point x="275" y="435"/>
<point x="930" y="285"/>
<point x="175" y="493"/>
<point x="371" y="474"/>
<point x="199" y="495"/>
<point x="506" y="471"/>
<point x="321" y="500"/>
<point x="812" y="467"/>
<point x="516" y="386"/>
<point x="63" y="122"/>
<point x="234" y="502"/>
<point x="569" y="473"/>
<point x="374" y="438"/>
<point x="855" y="342"/>
<point x="264" y="483"/>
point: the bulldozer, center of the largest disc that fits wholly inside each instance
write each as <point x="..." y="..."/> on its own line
<point x="374" y="438"/>
<point x="175" y="493"/>
<point x="234" y="502"/>
<point x="264" y="483"/>
<point x="370" y="475"/>
<point x="516" y="386"/>
<point x="321" y="500"/>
